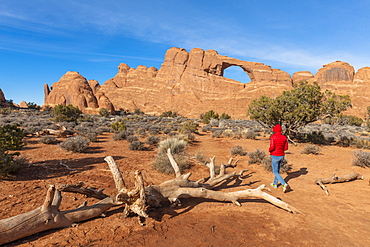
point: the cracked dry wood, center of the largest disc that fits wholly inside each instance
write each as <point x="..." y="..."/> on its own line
<point x="136" y="200"/>
<point x="336" y="179"/>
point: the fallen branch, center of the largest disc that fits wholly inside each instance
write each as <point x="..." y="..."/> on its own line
<point x="336" y="179"/>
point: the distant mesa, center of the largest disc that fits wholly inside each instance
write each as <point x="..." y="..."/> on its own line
<point x="191" y="83"/>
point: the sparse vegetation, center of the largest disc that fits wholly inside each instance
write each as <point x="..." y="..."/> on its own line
<point x="177" y="146"/>
<point x="311" y="149"/>
<point x="11" y="139"/>
<point x="238" y="150"/>
<point x="136" y="146"/>
<point x="104" y="112"/>
<point x="362" y="159"/>
<point x="76" y="144"/>
<point x="256" y="157"/>
<point x="66" y="113"/>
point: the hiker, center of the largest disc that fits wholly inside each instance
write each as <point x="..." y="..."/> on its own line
<point x="278" y="144"/>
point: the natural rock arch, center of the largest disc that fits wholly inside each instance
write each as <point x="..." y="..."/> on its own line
<point x="247" y="71"/>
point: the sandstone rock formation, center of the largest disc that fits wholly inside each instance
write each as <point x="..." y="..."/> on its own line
<point x="2" y="97"/>
<point x="189" y="83"/>
<point x="192" y="83"/>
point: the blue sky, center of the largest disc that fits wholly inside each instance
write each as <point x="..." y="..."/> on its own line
<point x="40" y="40"/>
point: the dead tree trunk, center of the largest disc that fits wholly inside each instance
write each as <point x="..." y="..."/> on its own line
<point x="335" y="179"/>
<point x="136" y="200"/>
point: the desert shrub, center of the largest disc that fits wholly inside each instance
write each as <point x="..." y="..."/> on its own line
<point x="228" y="133"/>
<point x="118" y="126"/>
<point x="177" y="146"/>
<point x="104" y="112"/>
<point x="141" y="132"/>
<point x="163" y="165"/>
<point x="92" y="136"/>
<point x="206" y="128"/>
<point x="362" y="143"/>
<point x="137" y="111"/>
<point x="256" y="157"/>
<point x="75" y="144"/>
<point x="206" y="117"/>
<point x="66" y="113"/>
<point x="225" y="116"/>
<point x="341" y="119"/>
<point x="346" y="141"/>
<point x="166" y="130"/>
<point x="285" y="167"/>
<point x="5" y="111"/>
<point x="311" y="149"/>
<point x="249" y="134"/>
<point x="10" y="164"/>
<point x="188" y="137"/>
<point x="169" y="114"/>
<point x="33" y="105"/>
<point x="217" y="134"/>
<point x="362" y="159"/>
<point x="132" y="138"/>
<point x="173" y="134"/>
<point x="48" y="140"/>
<point x="189" y="126"/>
<point x="315" y="137"/>
<point x="136" y="146"/>
<point x="122" y="135"/>
<point x="213" y="122"/>
<point x="152" y="140"/>
<point x="11" y="139"/>
<point x="238" y="150"/>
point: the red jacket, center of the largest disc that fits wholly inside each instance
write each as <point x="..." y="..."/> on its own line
<point x="278" y="142"/>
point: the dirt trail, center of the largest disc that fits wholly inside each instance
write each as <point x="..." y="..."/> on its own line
<point x="341" y="219"/>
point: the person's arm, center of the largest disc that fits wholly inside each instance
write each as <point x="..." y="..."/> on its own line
<point x="272" y="145"/>
<point x="286" y="145"/>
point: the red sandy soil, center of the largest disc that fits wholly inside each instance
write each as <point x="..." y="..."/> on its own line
<point x="341" y="219"/>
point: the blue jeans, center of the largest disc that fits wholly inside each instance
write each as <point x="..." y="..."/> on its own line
<point x="277" y="161"/>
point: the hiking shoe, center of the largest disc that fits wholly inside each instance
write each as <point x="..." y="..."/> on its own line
<point x="273" y="185"/>
<point x="286" y="188"/>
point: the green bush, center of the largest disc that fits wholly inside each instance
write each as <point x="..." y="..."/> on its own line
<point x="169" y="114"/>
<point x="76" y="144"/>
<point x="298" y="107"/>
<point x="11" y="139"/>
<point x="66" y="113"/>
<point x="206" y="117"/>
<point x="104" y="112"/>
<point x="189" y="127"/>
<point x="341" y="119"/>
<point x="118" y="126"/>
<point x="225" y="116"/>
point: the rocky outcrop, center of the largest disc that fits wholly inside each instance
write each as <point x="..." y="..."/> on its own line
<point x="72" y="89"/>
<point x="2" y="98"/>
<point x="192" y="83"/>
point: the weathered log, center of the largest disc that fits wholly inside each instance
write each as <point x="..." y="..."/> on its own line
<point x="136" y="200"/>
<point x="336" y="179"/>
<point x="48" y="217"/>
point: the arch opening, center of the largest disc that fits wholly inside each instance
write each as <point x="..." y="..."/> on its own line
<point x="236" y="73"/>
